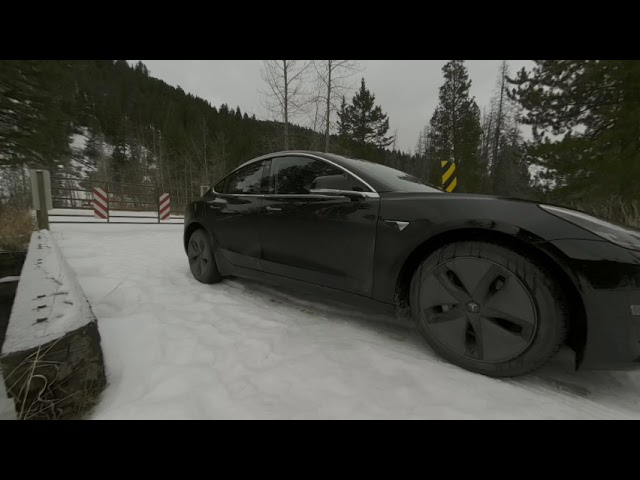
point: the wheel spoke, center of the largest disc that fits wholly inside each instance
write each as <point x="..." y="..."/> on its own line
<point x="510" y="323"/>
<point x="500" y="343"/>
<point x="447" y="278"/>
<point x="193" y="257"/>
<point x="198" y="269"/>
<point x="452" y="333"/>
<point x="482" y="290"/>
<point x="439" y="314"/>
<point x="474" y="340"/>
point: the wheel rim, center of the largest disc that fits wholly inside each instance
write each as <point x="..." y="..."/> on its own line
<point x="199" y="256"/>
<point x="477" y="309"/>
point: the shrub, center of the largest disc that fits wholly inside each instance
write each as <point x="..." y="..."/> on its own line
<point x="16" y="225"/>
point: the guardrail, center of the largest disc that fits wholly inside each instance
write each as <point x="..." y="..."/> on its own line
<point x="111" y="202"/>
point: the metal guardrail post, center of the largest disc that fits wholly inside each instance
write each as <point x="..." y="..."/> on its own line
<point x="42" y="213"/>
<point x="108" y="206"/>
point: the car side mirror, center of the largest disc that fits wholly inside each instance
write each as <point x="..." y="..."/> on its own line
<point x="334" y="185"/>
<point x="331" y="182"/>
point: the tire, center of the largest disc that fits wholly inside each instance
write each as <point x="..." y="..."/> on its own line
<point x="202" y="262"/>
<point x="488" y="309"/>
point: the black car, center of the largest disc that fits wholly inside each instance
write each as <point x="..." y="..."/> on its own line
<point x="495" y="285"/>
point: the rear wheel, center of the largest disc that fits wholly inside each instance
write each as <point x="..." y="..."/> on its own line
<point x="488" y="308"/>
<point x="201" y="259"/>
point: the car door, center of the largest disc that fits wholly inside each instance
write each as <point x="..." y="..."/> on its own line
<point x="233" y="211"/>
<point x="311" y="233"/>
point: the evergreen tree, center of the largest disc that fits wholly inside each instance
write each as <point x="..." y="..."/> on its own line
<point x="142" y="69"/>
<point x="455" y="129"/>
<point x="138" y="128"/>
<point x="585" y="116"/>
<point x="36" y="106"/>
<point x="364" y="121"/>
<point x="93" y="153"/>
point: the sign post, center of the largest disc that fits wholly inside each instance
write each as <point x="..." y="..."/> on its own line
<point x="164" y="207"/>
<point x="100" y="204"/>
<point x="41" y="196"/>
<point x="449" y="178"/>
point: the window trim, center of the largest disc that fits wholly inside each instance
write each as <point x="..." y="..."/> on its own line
<point x="371" y="194"/>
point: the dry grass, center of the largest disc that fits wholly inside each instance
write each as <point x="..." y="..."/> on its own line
<point x="16" y="225"/>
<point x="41" y="390"/>
<point x="33" y="395"/>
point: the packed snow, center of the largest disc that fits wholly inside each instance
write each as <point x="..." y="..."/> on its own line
<point x="177" y="349"/>
<point x="49" y="301"/>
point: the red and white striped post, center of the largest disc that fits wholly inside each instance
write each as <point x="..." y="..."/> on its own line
<point x="164" y="207"/>
<point x="100" y="204"/>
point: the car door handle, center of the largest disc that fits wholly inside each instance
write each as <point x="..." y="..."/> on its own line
<point x="273" y="209"/>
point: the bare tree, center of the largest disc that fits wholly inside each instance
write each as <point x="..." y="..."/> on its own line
<point x="508" y="172"/>
<point x="285" y="95"/>
<point x="394" y="144"/>
<point x="315" y="111"/>
<point x="426" y="166"/>
<point x="333" y="76"/>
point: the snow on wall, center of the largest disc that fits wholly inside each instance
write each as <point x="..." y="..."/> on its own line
<point x="49" y="301"/>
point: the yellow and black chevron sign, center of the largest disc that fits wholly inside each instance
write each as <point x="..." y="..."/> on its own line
<point x="449" y="179"/>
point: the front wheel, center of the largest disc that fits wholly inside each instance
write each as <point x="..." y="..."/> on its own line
<point x="202" y="262"/>
<point x="487" y="308"/>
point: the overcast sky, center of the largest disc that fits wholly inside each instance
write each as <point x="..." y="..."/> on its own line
<point x="407" y="90"/>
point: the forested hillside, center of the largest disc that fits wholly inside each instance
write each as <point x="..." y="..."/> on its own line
<point x="110" y="120"/>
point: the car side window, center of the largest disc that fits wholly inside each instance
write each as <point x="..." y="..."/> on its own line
<point x="299" y="175"/>
<point x="247" y="180"/>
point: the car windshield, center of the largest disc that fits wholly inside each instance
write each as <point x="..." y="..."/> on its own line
<point x="397" y="180"/>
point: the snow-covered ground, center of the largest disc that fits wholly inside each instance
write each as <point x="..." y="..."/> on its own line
<point x="178" y="349"/>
